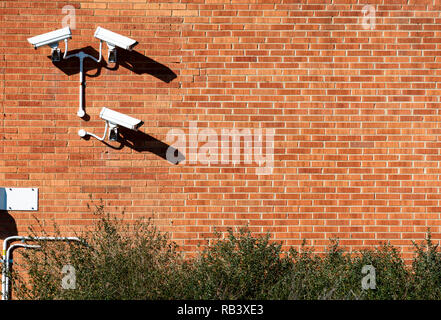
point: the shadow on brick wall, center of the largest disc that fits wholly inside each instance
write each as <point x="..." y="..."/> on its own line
<point x="131" y="60"/>
<point x="71" y="66"/>
<point x="8" y="227"/>
<point x="140" y="64"/>
<point x="142" y="142"/>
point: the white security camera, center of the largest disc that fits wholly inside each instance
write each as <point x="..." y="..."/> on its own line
<point x="113" y="120"/>
<point x="114" y="40"/>
<point x="116" y="119"/>
<point x="51" y="39"/>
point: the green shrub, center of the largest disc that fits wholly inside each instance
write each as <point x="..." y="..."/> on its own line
<point x="427" y="271"/>
<point x="136" y="261"/>
<point x="239" y="267"/>
<point x="120" y="261"/>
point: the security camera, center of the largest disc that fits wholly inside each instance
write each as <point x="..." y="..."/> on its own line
<point x="51" y="39"/>
<point x="116" y="119"/>
<point x="114" y="40"/>
<point x="113" y="120"/>
<point x="120" y="119"/>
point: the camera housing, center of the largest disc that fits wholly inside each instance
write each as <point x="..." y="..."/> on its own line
<point x="114" y="40"/>
<point x="114" y="120"/>
<point x="52" y="39"/>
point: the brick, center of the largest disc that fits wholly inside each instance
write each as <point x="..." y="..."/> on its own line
<point x="355" y="114"/>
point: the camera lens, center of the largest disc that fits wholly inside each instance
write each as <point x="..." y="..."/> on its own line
<point x="113" y="134"/>
<point x="112" y="56"/>
<point x="56" y="55"/>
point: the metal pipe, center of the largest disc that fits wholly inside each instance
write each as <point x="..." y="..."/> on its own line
<point x="8" y="262"/>
<point x="81" y="55"/>
<point x="65" y="48"/>
<point x="99" y="59"/>
<point x="25" y="238"/>
<point x="81" y="112"/>
<point x="83" y="133"/>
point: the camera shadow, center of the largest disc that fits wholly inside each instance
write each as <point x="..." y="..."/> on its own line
<point x="131" y="60"/>
<point x="143" y="142"/>
<point x="8" y="226"/>
<point x="140" y="64"/>
<point x="71" y="66"/>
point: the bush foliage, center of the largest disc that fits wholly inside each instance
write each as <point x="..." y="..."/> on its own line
<point x="136" y="261"/>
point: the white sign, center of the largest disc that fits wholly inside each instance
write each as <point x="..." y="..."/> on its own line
<point x="20" y="199"/>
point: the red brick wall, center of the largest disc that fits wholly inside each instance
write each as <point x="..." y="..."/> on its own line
<point x="355" y="113"/>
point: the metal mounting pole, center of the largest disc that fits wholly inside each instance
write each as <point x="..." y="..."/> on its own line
<point x="6" y="251"/>
<point x="81" y="55"/>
